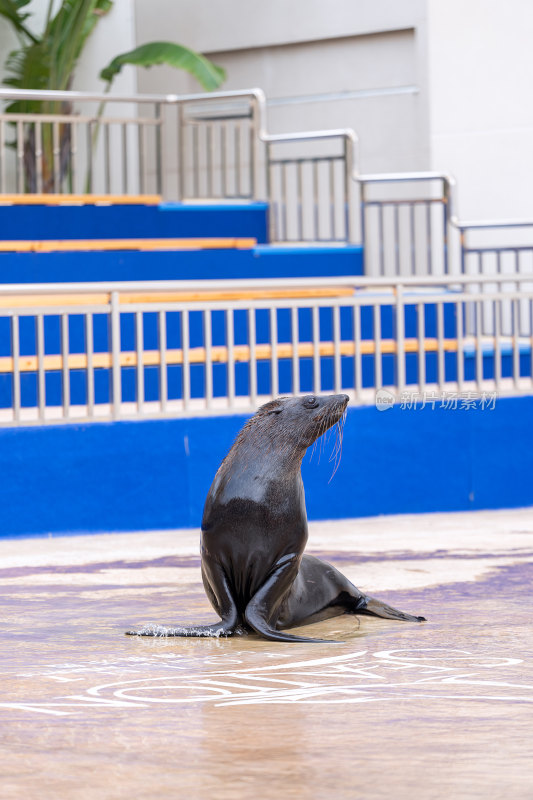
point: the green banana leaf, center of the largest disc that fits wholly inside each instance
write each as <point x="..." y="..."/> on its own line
<point x="67" y="34"/>
<point x="209" y="75"/>
<point x="10" y="10"/>
<point x="28" y="68"/>
<point x="49" y="63"/>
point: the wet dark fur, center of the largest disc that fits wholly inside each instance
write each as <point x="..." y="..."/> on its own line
<point x="254" y="532"/>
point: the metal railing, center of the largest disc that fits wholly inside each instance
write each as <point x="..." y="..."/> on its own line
<point x="405" y="221"/>
<point x="218" y="137"/>
<point x="445" y="305"/>
<point x="122" y="351"/>
<point x="187" y="148"/>
<point x="310" y="192"/>
<point x="184" y="147"/>
<point x="57" y="148"/>
<point x="503" y="249"/>
<point x="496" y="247"/>
<point x="207" y="147"/>
<point x="217" y="147"/>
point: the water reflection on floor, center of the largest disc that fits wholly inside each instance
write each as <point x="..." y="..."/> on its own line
<point x="437" y="710"/>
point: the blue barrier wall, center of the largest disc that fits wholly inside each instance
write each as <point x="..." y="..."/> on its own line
<point x="136" y="265"/>
<point x="155" y="474"/>
<point x="122" y="222"/>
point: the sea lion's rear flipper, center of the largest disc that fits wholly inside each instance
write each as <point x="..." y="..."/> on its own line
<point x="193" y="631"/>
<point x="378" y="609"/>
<point x="262" y="609"/>
<point x="260" y="626"/>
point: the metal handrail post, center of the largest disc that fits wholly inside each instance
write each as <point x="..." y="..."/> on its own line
<point x="270" y="196"/>
<point x="348" y="170"/>
<point x="159" y="139"/>
<point x="181" y="153"/>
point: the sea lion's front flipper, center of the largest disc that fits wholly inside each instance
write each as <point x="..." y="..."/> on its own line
<point x="263" y="607"/>
<point x="378" y="609"/>
<point x="216" y="630"/>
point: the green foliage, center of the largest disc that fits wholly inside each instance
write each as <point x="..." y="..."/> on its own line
<point x="48" y="61"/>
<point x="10" y="9"/>
<point x="209" y="75"/>
<point x="68" y="32"/>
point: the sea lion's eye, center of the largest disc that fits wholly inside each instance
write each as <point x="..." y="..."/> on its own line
<point x="310" y="402"/>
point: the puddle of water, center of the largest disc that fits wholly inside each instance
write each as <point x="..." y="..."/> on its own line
<point x="436" y="710"/>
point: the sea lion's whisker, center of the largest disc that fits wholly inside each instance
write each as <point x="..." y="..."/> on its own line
<point x="320" y="430"/>
<point x="336" y="448"/>
<point x="340" y="431"/>
<point x="323" y="430"/>
<point x="336" y="454"/>
<point x="338" y="436"/>
<point x="336" y="464"/>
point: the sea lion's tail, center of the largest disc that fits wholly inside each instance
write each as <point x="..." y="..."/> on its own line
<point x="378" y="609"/>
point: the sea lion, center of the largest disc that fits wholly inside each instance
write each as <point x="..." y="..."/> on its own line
<point x="254" y="531"/>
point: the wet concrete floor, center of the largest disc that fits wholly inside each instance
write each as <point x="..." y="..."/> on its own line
<point x="442" y="709"/>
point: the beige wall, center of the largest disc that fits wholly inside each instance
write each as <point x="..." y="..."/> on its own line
<point x="481" y="114"/>
<point x="322" y="65"/>
<point x="467" y="69"/>
<point x="213" y="25"/>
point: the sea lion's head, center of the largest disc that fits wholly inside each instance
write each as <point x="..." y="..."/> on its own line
<point x="281" y="431"/>
<point x="300" y="420"/>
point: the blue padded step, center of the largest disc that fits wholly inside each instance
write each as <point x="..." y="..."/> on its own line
<point x="123" y="221"/>
<point x="258" y="262"/>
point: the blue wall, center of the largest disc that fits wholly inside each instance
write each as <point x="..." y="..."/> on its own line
<point x="155" y="474"/>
